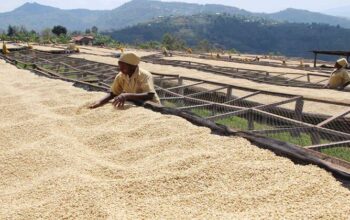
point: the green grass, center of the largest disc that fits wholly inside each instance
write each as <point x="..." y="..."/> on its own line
<point x="338" y="152"/>
<point x="302" y="140"/>
<point x="234" y="122"/>
<point x="241" y="123"/>
<point x="22" y="66"/>
<point x="72" y="76"/>
<point x="170" y="104"/>
<point x="202" y="112"/>
<point x="46" y="66"/>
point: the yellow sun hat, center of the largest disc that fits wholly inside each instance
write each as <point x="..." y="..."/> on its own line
<point x="130" y="58"/>
<point x="342" y="62"/>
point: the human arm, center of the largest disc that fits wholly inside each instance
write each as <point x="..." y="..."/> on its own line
<point x="102" y="101"/>
<point x="120" y="100"/>
<point x="116" y="89"/>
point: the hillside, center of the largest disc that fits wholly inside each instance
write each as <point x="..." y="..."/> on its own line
<point x="38" y="17"/>
<point x="245" y="35"/>
<point x="138" y="11"/>
<point x="304" y="16"/>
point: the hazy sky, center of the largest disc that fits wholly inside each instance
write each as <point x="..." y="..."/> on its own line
<point x="251" y="5"/>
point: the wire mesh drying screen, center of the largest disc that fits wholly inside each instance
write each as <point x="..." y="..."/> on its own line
<point x="309" y="80"/>
<point x="286" y="118"/>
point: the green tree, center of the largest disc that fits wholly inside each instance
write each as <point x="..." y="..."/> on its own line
<point x="12" y="31"/>
<point x="94" y="30"/>
<point x="58" y="30"/>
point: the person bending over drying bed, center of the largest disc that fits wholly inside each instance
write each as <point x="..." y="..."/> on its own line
<point x="339" y="78"/>
<point x="131" y="84"/>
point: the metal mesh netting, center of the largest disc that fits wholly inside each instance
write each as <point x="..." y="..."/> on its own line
<point x="286" y="118"/>
<point x="62" y="65"/>
<point x="310" y="80"/>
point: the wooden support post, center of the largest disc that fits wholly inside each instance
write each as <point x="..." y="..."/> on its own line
<point x="229" y="93"/>
<point x="181" y="90"/>
<point x="315" y="137"/>
<point x="315" y="59"/>
<point x="267" y="74"/>
<point x="299" y="104"/>
<point x="250" y="120"/>
<point x="65" y="68"/>
<point x="180" y="83"/>
<point x="214" y="110"/>
<point x="58" y="68"/>
<point x="161" y="83"/>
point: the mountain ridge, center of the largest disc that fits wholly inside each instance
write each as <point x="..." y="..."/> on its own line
<point x="245" y="35"/>
<point x="37" y="16"/>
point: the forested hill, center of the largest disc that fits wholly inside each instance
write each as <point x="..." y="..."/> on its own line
<point x="241" y="33"/>
<point x="38" y="17"/>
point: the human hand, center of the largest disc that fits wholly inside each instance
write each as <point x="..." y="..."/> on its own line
<point x="119" y="101"/>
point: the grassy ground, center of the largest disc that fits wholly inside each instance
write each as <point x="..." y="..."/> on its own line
<point x="170" y="104"/>
<point x="22" y="66"/>
<point x="235" y="122"/>
<point x="338" y="152"/>
<point x="303" y="139"/>
<point x="241" y="123"/>
<point x="202" y="112"/>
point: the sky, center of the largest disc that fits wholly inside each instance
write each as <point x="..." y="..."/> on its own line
<point x="250" y="5"/>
